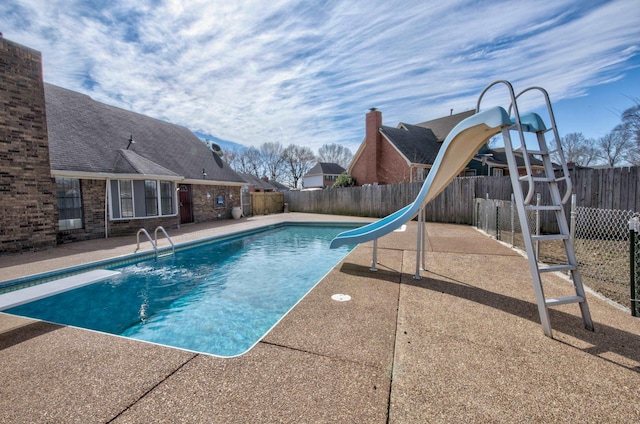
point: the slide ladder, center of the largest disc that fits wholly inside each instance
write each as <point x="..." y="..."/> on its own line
<point x="548" y="179"/>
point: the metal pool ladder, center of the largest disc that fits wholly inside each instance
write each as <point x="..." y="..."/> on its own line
<point x="549" y="177"/>
<point x="155" y="243"/>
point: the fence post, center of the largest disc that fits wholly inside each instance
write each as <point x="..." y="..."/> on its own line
<point x="572" y="221"/>
<point x="538" y="200"/>
<point x="634" y="228"/>
<point x="513" y="222"/>
<point x="486" y="214"/>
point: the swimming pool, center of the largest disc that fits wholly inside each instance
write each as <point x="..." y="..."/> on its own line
<point x="218" y="298"/>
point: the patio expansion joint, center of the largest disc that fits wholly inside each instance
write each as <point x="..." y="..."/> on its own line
<point x="152" y="388"/>
<point x="321" y="355"/>
<point x="395" y="335"/>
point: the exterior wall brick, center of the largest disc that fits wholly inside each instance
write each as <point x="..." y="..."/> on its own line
<point x="392" y="166"/>
<point x="129" y="227"/>
<point x="27" y="192"/>
<point x="93" y="214"/>
<point x="365" y="170"/>
<point x="204" y="202"/>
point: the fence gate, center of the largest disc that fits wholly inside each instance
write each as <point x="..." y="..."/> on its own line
<point x="246" y="203"/>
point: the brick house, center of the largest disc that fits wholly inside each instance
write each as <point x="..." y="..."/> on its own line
<point x="74" y="169"/>
<point x="391" y="155"/>
<point x="322" y="175"/>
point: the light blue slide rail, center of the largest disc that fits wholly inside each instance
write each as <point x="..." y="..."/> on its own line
<point x="462" y="143"/>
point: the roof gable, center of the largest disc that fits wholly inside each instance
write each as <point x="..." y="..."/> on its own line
<point x="415" y="143"/>
<point x="130" y="162"/>
<point x="89" y="136"/>
<point x="441" y="127"/>
<point x="326" y="168"/>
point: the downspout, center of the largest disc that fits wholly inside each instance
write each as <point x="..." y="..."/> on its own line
<point x="106" y="210"/>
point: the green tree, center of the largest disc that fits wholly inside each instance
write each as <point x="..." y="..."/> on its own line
<point x="344" y="180"/>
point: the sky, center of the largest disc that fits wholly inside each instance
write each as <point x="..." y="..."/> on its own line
<point x="306" y="72"/>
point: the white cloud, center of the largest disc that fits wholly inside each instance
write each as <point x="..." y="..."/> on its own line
<point x="288" y="71"/>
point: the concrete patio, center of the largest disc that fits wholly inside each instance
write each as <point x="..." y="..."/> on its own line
<point x="463" y="344"/>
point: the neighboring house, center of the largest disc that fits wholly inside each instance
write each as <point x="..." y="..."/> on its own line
<point x="390" y="155"/>
<point x="255" y="184"/>
<point x="493" y="162"/>
<point x="74" y="169"/>
<point x="322" y="175"/>
<point x="405" y="153"/>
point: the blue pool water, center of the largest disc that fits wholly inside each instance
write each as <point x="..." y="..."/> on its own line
<point x="220" y="298"/>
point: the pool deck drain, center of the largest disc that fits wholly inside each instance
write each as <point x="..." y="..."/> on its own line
<point x="463" y="344"/>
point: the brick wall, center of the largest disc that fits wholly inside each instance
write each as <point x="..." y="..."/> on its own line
<point x="206" y="208"/>
<point x="379" y="161"/>
<point x="129" y="227"/>
<point x="28" y="213"/>
<point x="392" y="166"/>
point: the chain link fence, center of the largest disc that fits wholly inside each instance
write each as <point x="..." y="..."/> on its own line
<point x="601" y="241"/>
<point x="634" y="258"/>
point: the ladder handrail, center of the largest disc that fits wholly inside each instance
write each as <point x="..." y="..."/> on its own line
<point x="518" y="126"/>
<point x="142" y="230"/>
<point x="155" y="235"/>
<point x="556" y="135"/>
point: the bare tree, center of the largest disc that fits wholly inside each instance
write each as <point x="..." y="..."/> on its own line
<point x="246" y="161"/>
<point x="335" y="153"/>
<point x="299" y="161"/>
<point x="579" y="150"/>
<point x="615" y="145"/>
<point x="631" y="122"/>
<point x="272" y="159"/>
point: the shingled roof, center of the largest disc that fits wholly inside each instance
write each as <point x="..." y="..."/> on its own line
<point x="441" y="127"/>
<point x="326" y="168"/>
<point x="417" y="144"/>
<point x="92" y="137"/>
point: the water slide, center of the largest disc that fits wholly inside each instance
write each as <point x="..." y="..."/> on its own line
<point x="462" y="143"/>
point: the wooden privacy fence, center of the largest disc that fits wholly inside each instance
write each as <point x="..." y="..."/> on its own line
<point x="611" y="188"/>
<point x="265" y="203"/>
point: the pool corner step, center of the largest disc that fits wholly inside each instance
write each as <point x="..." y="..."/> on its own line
<point x="40" y="291"/>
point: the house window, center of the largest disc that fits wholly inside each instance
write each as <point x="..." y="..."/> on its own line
<point x="421" y="173"/>
<point x="126" y="198"/>
<point x="166" y="197"/>
<point x="470" y="173"/>
<point x="498" y="172"/>
<point x="142" y="198"/>
<point x="69" y="203"/>
<point x="151" y="197"/>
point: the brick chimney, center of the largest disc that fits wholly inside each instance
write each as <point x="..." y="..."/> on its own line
<point x="27" y="191"/>
<point x="373" y="145"/>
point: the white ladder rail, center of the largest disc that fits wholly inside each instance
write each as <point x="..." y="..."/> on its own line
<point x="517" y="126"/>
<point x="558" y="145"/>
<point x="143" y="231"/>
<point x="565" y="231"/>
<point x="522" y="205"/>
<point x="155" y="236"/>
<point x="543" y="312"/>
